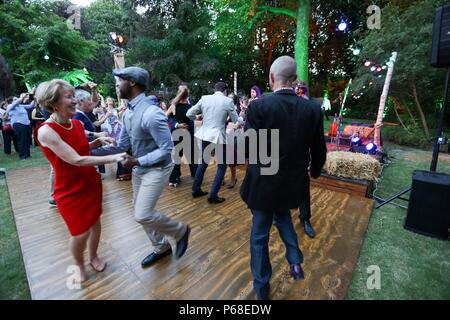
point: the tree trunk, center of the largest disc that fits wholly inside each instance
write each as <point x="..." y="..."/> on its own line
<point x="302" y="40"/>
<point x="396" y="103"/>
<point x="419" y="108"/>
<point x="409" y="111"/>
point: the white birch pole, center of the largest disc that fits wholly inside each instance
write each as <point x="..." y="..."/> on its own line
<point x="384" y="96"/>
<point x="119" y="63"/>
<point x="235" y="82"/>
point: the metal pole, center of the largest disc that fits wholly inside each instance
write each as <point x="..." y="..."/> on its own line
<point x="440" y="126"/>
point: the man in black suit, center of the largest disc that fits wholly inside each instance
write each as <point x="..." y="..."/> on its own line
<point x="271" y="197"/>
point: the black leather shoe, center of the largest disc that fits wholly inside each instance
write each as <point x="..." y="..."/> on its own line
<point x="297" y="272"/>
<point x="216" y="200"/>
<point x="182" y="244"/>
<point x="153" y="257"/>
<point x="309" y="230"/>
<point x="199" y="194"/>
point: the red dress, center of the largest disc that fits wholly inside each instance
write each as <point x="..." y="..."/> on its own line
<point x="78" y="190"/>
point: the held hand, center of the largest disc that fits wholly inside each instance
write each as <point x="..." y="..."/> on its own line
<point x="103" y="134"/>
<point x="120" y="157"/>
<point x="107" y="140"/>
<point x="182" y="126"/>
<point x="130" y="162"/>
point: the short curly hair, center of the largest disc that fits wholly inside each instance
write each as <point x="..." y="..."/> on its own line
<point x="48" y="93"/>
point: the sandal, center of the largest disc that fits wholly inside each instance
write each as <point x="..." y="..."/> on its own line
<point x="232" y="185"/>
<point x="98" y="270"/>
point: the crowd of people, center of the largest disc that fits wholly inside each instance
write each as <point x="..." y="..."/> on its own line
<point x="79" y="132"/>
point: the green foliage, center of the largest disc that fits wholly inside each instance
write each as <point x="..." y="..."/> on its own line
<point x="412" y="137"/>
<point x="234" y="43"/>
<point x="406" y="29"/>
<point x="179" y="51"/>
<point x="76" y="77"/>
<point x="30" y="31"/>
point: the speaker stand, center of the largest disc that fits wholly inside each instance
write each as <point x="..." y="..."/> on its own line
<point x="434" y="161"/>
<point x="440" y="126"/>
<point x="383" y="202"/>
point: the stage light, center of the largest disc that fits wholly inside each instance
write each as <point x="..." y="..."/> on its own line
<point x="379" y="69"/>
<point x="373" y="68"/>
<point x="380" y="76"/>
<point x="113" y="36"/>
<point x="342" y="26"/>
<point x="356" y="51"/>
<point x="368" y="63"/>
<point x="371" y="148"/>
<point x="384" y="67"/>
<point x="356" y="141"/>
<point x="46" y="57"/>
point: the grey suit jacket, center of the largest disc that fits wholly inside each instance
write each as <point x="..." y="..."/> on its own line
<point x="216" y="109"/>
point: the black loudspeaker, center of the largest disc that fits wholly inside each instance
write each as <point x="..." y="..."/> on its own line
<point x="429" y="205"/>
<point x="441" y="38"/>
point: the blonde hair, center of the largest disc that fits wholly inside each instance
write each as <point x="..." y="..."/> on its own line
<point x="111" y="99"/>
<point x="182" y="94"/>
<point x="48" y="93"/>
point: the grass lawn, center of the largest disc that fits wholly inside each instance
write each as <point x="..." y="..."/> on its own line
<point x="13" y="280"/>
<point x="412" y="266"/>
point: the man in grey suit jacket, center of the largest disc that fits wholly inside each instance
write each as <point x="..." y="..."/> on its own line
<point x="215" y="109"/>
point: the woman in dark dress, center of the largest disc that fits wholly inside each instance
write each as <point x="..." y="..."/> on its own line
<point x="178" y="120"/>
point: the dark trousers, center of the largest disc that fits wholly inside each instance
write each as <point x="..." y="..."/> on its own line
<point x="122" y="172"/>
<point x="220" y="173"/>
<point x="259" y="245"/>
<point x="23" y="135"/>
<point x="305" y="207"/>
<point x="176" y="172"/>
<point x="8" y="137"/>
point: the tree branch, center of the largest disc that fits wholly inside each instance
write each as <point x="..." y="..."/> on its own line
<point x="262" y="9"/>
<point x="284" y="11"/>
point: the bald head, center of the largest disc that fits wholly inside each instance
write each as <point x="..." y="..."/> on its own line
<point x="283" y="71"/>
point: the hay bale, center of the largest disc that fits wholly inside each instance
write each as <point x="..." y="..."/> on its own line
<point x="352" y="165"/>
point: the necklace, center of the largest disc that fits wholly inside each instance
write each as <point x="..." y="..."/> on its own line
<point x="59" y="124"/>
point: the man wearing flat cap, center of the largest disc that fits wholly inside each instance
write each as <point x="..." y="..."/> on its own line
<point x="145" y="130"/>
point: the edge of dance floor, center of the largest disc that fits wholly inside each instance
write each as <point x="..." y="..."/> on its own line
<point x="217" y="263"/>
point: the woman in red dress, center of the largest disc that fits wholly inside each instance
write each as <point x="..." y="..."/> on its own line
<point x="77" y="186"/>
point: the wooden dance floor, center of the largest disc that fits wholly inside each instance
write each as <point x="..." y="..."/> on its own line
<point x="217" y="262"/>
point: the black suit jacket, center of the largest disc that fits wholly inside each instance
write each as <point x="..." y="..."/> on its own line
<point x="302" y="143"/>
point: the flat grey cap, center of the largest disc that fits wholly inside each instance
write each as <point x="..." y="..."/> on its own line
<point x="135" y="74"/>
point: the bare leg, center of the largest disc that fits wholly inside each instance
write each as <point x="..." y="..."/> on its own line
<point x="233" y="180"/>
<point x="77" y="247"/>
<point x="92" y="243"/>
